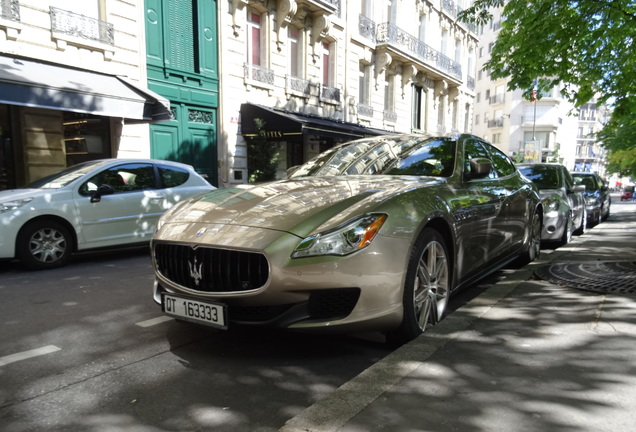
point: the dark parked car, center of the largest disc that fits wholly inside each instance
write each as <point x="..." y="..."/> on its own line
<point x="597" y="196"/>
<point x="564" y="206"/>
<point x="372" y="235"/>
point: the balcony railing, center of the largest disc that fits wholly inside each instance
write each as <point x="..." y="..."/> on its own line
<point x="495" y="123"/>
<point x="449" y="7"/>
<point x="497" y="99"/>
<point x="366" y="28"/>
<point x="10" y="10"/>
<point x="81" y="26"/>
<point x="390" y="116"/>
<point x="365" y="110"/>
<point x="393" y="35"/>
<point x="331" y="94"/>
<point x="258" y="73"/>
<point x="297" y="85"/>
<point x="470" y="82"/>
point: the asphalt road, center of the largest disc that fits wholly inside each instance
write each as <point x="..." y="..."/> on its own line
<point x="84" y="348"/>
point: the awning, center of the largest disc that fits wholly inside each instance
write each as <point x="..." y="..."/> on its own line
<point x="31" y="83"/>
<point x="283" y="125"/>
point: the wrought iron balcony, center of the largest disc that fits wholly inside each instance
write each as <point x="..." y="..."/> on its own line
<point x="81" y="26"/>
<point x="392" y="35"/>
<point x="10" y="10"/>
<point x="297" y="85"/>
<point x="495" y="123"/>
<point x="329" y="93"/>
<point x="390" y="116"/>
<point x="365" y="110"/>
<point x="366" y="28"/>
<point x="258" y="73"/>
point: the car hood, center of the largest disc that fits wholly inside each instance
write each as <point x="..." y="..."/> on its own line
<point x="299" y="206"/>
<point x="17" y="194"/>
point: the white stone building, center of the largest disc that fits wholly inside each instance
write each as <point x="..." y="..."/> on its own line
<point x="72" y="85"/>
<point x="319" y="72"/>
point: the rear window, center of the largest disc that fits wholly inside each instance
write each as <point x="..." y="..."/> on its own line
<point x="172" y="177"/>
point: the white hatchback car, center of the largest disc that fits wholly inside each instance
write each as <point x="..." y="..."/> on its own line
<point x="96" y="204"/>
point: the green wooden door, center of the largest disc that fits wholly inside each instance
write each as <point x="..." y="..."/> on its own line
<point x="189" y="138"/>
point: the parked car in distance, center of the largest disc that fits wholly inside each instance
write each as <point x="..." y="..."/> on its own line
<point x="628" y="193"/>
<point x="597" y="196"/>
<point x="96" y="204"/>
<point x="564" y="206"/>
<point x="371" y="235"/>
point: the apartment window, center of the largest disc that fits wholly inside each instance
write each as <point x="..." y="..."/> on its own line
<point x="490" y="45"/>
<point x="391" y="13"/>
<point x="295" y="52"/>
<point x="254" y="39"/>
<point x="327" y="64"/>
<point x="366" y="8"/>
<point x="481" y="52"/>
<point x="363" y="84"/>
<point x="477" y="119"/>
<point x="455" y="114"/>
<point x="389" y="94"/>
<point x="419" y="108"/>
<point x="496" y="138"/>
<point x="458" y="51"/>
<point x="478" y="97"/>
<point x="422" y="28"/>
<point x="444" y="45"/>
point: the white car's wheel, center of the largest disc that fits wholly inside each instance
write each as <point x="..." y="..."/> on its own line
<point x="43" y="244"/>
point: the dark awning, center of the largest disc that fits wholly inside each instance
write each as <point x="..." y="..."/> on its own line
<point x="31" y="83"/>
<point x="282" y="125"/>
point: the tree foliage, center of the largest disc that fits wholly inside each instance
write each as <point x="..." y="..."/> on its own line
<point x="586" y="47"/>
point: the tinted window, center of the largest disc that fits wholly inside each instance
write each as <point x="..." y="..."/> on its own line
<point x="502" y="163"/>
<point x="123" y="178"/>
<point x="474" y="149"/>
<point x="590" y="182"/>
<point x="544" y="176"/>
<point x="172" y="177"/>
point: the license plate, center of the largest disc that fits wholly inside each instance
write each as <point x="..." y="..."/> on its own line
<point x="206" y="313"/>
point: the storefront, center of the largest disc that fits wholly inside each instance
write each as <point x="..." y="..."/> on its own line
<point x="53" y="116"/>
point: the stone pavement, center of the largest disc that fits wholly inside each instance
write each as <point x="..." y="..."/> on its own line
<point x="527" y="354"/>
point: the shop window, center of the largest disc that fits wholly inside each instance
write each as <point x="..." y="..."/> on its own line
<point x="86" y="137"/>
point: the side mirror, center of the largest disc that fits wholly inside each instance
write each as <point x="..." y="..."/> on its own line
<point x="101" y="191"/>
<point x="577" y="188"/>
<point x="480" y="168"/>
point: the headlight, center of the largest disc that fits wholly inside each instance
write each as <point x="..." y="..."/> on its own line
<point x="590" y="200"/>
<point x="351" y="237"/>
<point x="15" y="204"/>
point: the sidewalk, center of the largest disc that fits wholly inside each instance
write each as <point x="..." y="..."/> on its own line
<point x="526" y="355"/>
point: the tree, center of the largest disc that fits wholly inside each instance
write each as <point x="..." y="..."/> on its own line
<point x="586" y="47"/>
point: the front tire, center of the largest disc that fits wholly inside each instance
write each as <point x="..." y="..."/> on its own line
<point x="43" y="244"/>
<point x="567" y="231"/>
<point x="427" y="287"/>
<point x="533" y="251"/>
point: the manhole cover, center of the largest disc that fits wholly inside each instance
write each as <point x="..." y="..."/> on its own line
<point x="605" y="277"/>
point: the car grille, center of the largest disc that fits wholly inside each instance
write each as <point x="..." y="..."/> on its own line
<point x="337" y="303"/>
<point x="209" y="269"/>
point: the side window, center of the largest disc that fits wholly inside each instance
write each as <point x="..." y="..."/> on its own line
<point x="569" y="182"/>
<point x="502" y="163"/>
<point x="473" y="149"/>
<point x="172" y="177"/>
<point x="123" y="178"/>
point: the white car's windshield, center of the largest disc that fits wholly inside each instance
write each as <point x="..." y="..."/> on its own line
<point x="61" y="179"/>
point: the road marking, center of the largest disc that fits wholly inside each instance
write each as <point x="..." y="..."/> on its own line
<point x="28" y="354"/>
<point x="154" y="321"/>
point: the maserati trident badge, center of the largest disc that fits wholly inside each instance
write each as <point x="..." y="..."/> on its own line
<point x="196" y="271"/>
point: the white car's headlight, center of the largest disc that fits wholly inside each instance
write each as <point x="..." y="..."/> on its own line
<point x="552" y="204"/>
<point x="14" y="204"/>
<point x="351" y="237"/>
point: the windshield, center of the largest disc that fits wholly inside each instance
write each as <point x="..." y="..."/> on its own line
<point x="413" y="155"/>
<point x="63" y="178"/>
<point x="588" y="181"/>
<point x="544" y="176"/>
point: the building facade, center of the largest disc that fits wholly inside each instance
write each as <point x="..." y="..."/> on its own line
<point x="72" y="85"/>
<point x="300" y="76"/>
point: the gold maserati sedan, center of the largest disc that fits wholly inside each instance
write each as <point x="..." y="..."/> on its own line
<point x="371" y="235"/>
